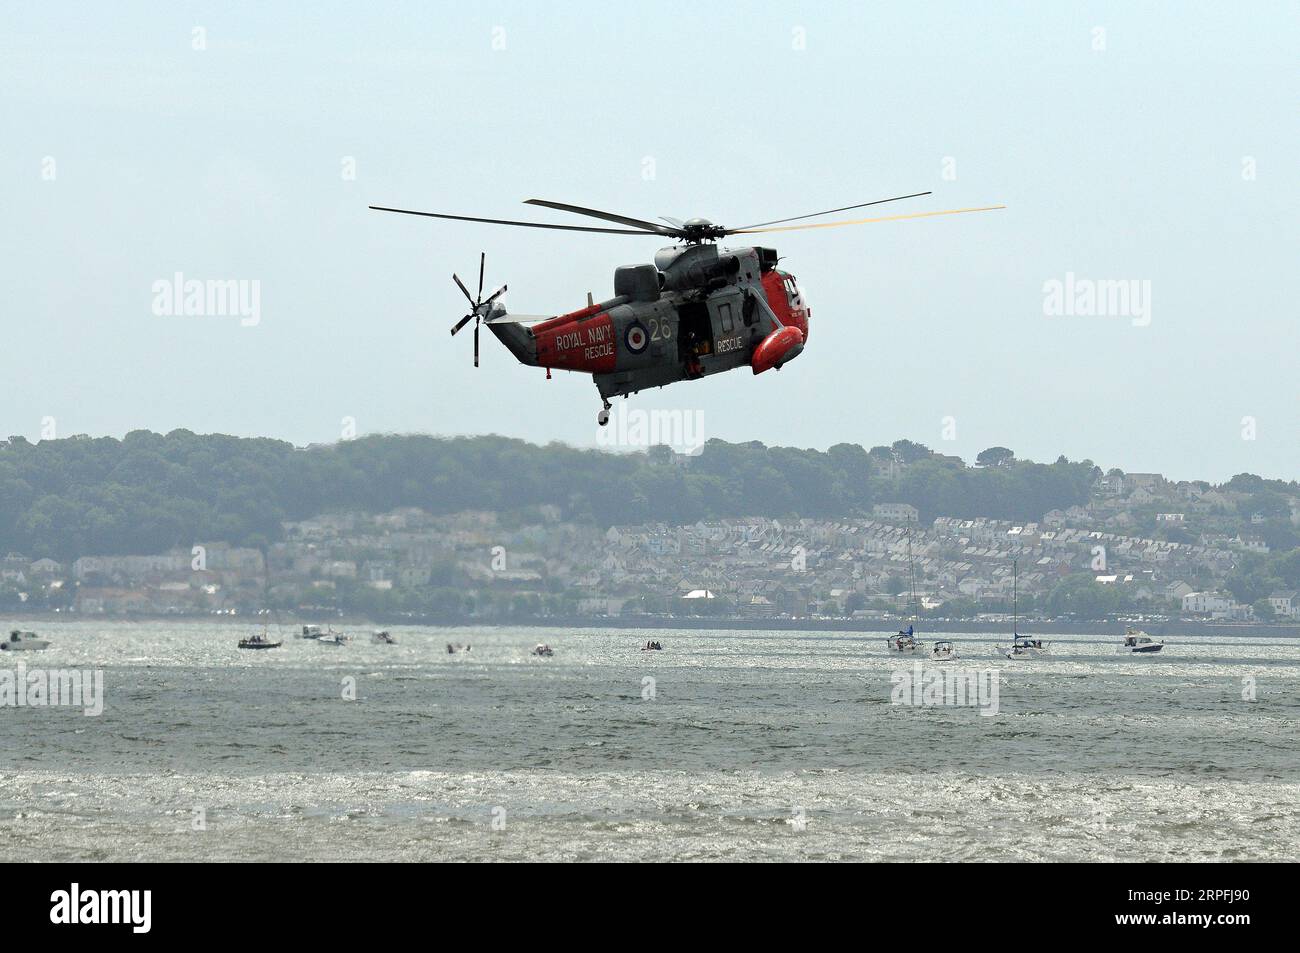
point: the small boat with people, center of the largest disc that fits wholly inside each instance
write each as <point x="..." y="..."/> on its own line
<point x="454" y="648"/>
<point x="1023" y="647"/>
<point x="543" y="650"/>
<point x="943" y="652"/>
<point x="382" y="637"/>
<point x="21" y="641"/>
<point x="262" y="641"/>
<point x="1137" y="642"/>
<point x="653" y="646"/>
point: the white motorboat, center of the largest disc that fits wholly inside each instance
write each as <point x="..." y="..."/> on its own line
<point x="310" y="632"/>
<point x="20" y="641"/>
<point x="334" y="638"/>
<point x="943" y="652"/>
<point x="543" y="650"/>
<point x="1137" y="642"/>
<point x="382" y="637"/>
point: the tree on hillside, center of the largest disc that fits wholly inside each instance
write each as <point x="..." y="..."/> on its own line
<point x="994" y="457"/>
<point x="909" y="452"/>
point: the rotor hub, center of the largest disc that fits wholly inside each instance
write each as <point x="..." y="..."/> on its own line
<point x="696" y="230"/>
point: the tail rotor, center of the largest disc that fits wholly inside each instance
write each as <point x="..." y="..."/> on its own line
<point x="480" y="307"/>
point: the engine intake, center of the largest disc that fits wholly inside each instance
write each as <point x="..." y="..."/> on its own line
<point x="704" y="272"/>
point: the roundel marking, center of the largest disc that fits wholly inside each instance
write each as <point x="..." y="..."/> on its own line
<point x="636" y="337"/>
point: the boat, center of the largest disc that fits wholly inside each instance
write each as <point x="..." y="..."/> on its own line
<point x="652" y="646"/>
<point x="1020" y="647"/>
<point x="310" y="632"/>
<point x="20" y="641"/>
<point x="334" y="638"/>
<point x="1025" y="648"/>
<point x="943" y="652"/>
<point x="457" y="647"/>
<point x="382" y="637"/>
<point x="906" y="640"/>
<point x="543" y="650"/>
<point x="1137" y="642"/>
<point x="259" y="642"/>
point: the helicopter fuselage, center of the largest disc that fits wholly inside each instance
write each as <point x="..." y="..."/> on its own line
<point x="697" y="311"/>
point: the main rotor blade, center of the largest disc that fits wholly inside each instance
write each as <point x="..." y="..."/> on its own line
<point x="596" y="213"/>
<point x="461" y="284"/>
<point x="482" y="259"/>
<point x="496" y="294"/>
<point x="828" y="211"/>
<point x="476" y="344"/>
<point x="502" y="221"/>
<point x="461" y="323"/>
<point x="864" y="221"/>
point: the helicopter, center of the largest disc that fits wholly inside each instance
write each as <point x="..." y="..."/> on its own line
<point x="696" y="311"/>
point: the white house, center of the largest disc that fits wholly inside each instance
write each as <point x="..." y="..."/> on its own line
<point x="1286" y="604"/>
<point x="895" y="511"/>
<point x="1203" y="603"/>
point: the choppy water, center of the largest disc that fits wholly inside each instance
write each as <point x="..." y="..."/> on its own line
<point x="756" y="745"/>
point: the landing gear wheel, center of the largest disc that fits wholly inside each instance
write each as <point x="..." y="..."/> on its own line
<point x="602" y="418"/>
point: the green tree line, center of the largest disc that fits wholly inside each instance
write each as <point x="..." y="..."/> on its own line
<point x="147" y="492"/>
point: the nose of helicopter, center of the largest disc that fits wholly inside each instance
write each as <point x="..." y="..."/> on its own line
<point x="787" y="299"/>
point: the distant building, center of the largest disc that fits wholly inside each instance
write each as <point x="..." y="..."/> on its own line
<point x="1252" y="543"/>
<point x="905" y="512"/>
<point x="1109" y="485"/>
<point x="1286" y="604"/>
<point x="1144" y="481"/>
<point x="1208" y="603"/>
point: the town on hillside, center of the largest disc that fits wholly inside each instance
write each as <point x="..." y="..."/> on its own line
<point x="1142" y="546"/>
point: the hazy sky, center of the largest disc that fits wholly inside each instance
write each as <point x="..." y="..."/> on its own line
<point x="1151" y="142"/>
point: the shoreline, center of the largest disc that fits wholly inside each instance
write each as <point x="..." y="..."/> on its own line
<point x="864" y="626"/>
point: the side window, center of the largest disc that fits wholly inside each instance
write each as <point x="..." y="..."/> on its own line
<point x="724" y="316"/>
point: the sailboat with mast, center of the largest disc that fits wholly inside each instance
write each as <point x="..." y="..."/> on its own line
<point x="263" y="640"/>
<point x="1020" y="646"/>
<point x="906" y="640"/>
